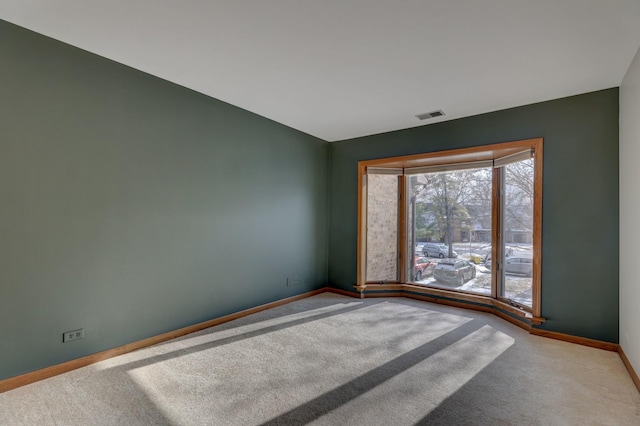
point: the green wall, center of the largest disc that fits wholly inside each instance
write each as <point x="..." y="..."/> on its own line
<point x="130" y="206"/>
<point x="580" y="200"/>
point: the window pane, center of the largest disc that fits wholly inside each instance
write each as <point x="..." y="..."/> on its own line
<point x="517" y="234"/>
<point x="449" y="215"/>
<point x="382" y="228"/>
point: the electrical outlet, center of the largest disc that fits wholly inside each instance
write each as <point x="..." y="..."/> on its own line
<point x="288" y="282"/>
<point x="295" y="280"/>
<point x="68" y="336"/>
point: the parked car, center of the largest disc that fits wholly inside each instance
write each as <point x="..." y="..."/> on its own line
<point x="456" y="271"/>
<point x="437" y="250"/>
<point x="521" y="264"/>
<point x="487" y="258"/>
<point x="476" y="258"/>
<point x="422" y="267"/>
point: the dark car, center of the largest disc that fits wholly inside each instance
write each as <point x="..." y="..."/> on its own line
<point x="454" y="271"/>
<point x="422" y="267"/>
<point x="437" y="250"/>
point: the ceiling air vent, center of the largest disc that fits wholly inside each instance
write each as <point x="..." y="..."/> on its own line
<point x="428" y="115"/>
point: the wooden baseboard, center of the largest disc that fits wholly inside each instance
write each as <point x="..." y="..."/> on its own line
<point x="456" y="298"/>
<point x="342" y="292"/>
<point x="393" y="292"/>
<point x="512" y="320"/>
<point x="25" y="379"/>
<point x="495" y="308"/>
<point x="632" y="372"/>
<point x="456" y="304"/>
<point x="54" y="370"/>
<point x="599" y="344"/>
<point x="431" y="299"/>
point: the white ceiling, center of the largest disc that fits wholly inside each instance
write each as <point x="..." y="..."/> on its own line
<point x="339" y="69"/>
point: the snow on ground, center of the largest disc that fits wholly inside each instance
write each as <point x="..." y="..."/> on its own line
<point x="518" y="288"/>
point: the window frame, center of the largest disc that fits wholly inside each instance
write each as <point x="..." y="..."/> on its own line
<point x="452" y="158"/>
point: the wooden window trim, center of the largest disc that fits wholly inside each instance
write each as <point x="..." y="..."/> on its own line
<point x="477" y="153"/>
<point x="404" y="258"/>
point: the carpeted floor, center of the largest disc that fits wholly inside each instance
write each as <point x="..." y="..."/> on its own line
<point x="334" y="360"/>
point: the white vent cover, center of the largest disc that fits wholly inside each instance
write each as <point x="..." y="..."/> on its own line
<point x="428" y="115"/>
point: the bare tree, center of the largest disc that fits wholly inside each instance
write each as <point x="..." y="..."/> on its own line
<point x="443" y="196"/>
<point x="442" y="201"/>
<point x="519" y="192"/>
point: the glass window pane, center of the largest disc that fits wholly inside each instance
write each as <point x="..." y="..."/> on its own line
<point x="449" y="215"/>
<point x="517" y="234"/>
<point x="382" y="228"/>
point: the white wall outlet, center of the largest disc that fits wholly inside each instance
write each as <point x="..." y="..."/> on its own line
<point x="68" y="336"/>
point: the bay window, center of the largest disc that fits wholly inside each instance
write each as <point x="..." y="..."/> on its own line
<point x="461" y="225"/>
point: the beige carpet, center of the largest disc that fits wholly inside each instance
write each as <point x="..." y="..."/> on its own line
<point x="334" y="360"/>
